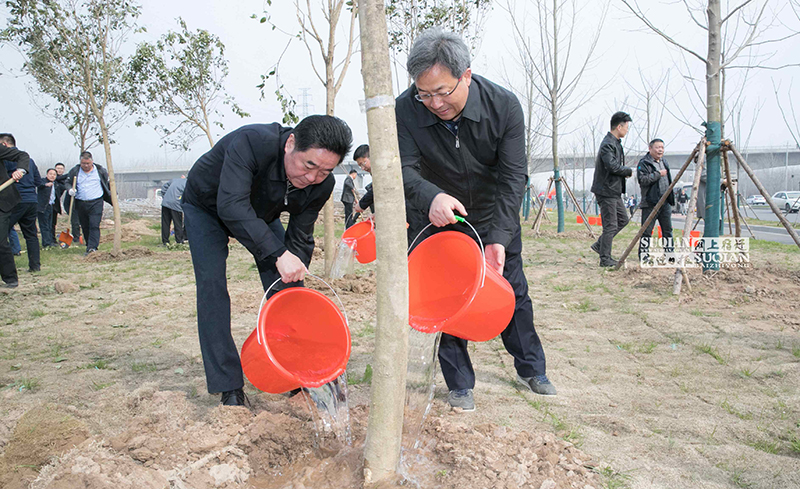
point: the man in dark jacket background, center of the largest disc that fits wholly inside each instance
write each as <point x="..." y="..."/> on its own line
<point x="171" y="210"/>
<point x="361" y="155"/>
<point x="239" y="189"/>
<point x="654" y="179"/>
<point x="462" y="149"/>
<point x="24" y="212"/>
<point x="47" y="201"/>
<point x="90" y="192"/>
<point x="608" y="186"/>
<point x="349" y="197"/>
<point x="13" y="164"/>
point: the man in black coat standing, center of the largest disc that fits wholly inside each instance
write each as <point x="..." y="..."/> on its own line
<point x="608" y="186"/>
<point x="90" y="192"/>
<point x="655" y="178"/>
<point x="349" y="197"/>
<point x="239" y="189"/>
<point x="13" y="165"/>
<point x="48" y="201"/>
<point x="462" y="149"/>
<point x="24" y="212"/>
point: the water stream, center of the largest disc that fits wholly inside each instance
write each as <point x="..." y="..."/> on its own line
<point x="342" y="261"/>
<point x="330" y="414"/>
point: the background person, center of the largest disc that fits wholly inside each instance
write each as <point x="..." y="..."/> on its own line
<point x="239" y="189"/>
<point x="59" y="185"/>
<point x="655" y="178"/>
<point x="361" y="155"/>
<point x="171" y="210"/>
<point x="608" y="186"/>
<point x="24" y="212"/>
<point x="91" y="191"/>
<point x="46" y="201"/>
<point x="349" y="196"/>
<point x="13" y="164"/>
<point x="462" y="148"/>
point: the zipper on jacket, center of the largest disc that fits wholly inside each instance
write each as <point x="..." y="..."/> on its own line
<point x="286" y="197"/>
<point x="458" y="144"/>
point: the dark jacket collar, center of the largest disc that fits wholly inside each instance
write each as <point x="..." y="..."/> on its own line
<point x="472" y="109"/>
<point x="649" y="159"/>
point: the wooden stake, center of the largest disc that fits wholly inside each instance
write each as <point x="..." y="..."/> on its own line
<point x="658" y="206"/>
<point x="766" y="195"/>
<point x="731" y="194"/>
<point x="580" y="211"/>
<point x="538" y="219"/>
<point x="687" y="225"/>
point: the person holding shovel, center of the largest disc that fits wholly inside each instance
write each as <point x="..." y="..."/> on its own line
<point x="88" y="185"/>
<point x="239" y="189"/>
<point x="14" y="166"/>
<point x="462" y="148"/>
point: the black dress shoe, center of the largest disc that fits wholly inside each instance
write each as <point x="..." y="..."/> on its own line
<point x="234" y="398"/>
<point x="9" y="285"/>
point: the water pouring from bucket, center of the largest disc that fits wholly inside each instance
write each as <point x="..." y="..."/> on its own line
<point x="302" y="339"/>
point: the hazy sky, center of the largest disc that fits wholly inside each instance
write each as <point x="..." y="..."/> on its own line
<point x="625" y="48"/>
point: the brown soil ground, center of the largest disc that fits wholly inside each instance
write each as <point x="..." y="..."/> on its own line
<point x="102" y="385"/>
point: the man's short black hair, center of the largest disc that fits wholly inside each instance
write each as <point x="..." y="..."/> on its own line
<point x="48" y="170"/>
<point x="361" y="152"/>
<point x="86" y="156"/>
<point x="324" y="132"/>
<point x="619" y="118"/>
<point x="60" y="164"/>
<point x="354" y="171"/>
<point x="654" y="141"/>
<point x="8" y="138"/>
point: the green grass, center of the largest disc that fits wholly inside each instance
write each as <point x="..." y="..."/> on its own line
<point x="144" y="367"/>
<point x="26" y="383"/>
<point x="563" y="287"/>
<point x="732" y="410"/>
<point x="96" y="386"/>
<point x="99" y="364"/>
<point x="627" y="346"/>
<point x="647" y="347"/>
<point x="613" y="479"/>
<point x="367" y="330"/>
<point x="37" y="313"/>
<point x="358" y="380"/>
<point x="765" y="446"/>
<point x="584" y="306"/>
<point x="712" y="351"/>
<point x="796" y="350"/>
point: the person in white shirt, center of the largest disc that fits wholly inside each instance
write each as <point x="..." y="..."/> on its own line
<point x="90" y="192"/>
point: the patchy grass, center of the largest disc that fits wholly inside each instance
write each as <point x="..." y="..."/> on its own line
<point x="364" y="379"/>
<point x="712" y="351"/>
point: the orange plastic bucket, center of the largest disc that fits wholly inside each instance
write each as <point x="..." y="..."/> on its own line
<point x="361" y="239"/>
<point x="451" y="289"/>
<point x="301" y="340"/>
<point x="579" y="220"/>
<point x="592" y="220"/>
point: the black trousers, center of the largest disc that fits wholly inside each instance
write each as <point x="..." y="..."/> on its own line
<point x="46" y="226"/>
<point x="664" y="219"/>
<point x="615" y="218"/>
<point x="25" y="213"/>
<point x="171" y="216"/>
<point x="8" y="269"/>
<point x="349" y="217"/>
<point x="519" y="338"/>
<point x="53" y="223"/>
<point x="90" y="213"/>
<point x="209" y="250"/>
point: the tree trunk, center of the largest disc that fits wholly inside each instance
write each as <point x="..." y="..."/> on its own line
<point x="328" y="223"/>
<point x="112" y="184"/>
<point x="554" y="113"/>
<point x="387" y="395"/>
<point x="713" y="131"/>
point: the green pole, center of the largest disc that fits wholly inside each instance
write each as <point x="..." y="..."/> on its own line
<point x="559" y="200"/>
<point x="712" y="224"/>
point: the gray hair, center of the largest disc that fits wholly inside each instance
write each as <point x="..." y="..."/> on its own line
<point x="437" y="46"/>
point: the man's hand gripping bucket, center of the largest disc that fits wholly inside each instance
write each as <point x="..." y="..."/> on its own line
<point x="301" y="340"/>
<point x="452" y="290"/>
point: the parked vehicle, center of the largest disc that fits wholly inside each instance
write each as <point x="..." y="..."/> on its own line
<point x="756" y="200"/>
<point x="787" y="201"/>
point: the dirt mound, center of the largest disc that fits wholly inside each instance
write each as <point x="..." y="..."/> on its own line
<point x="131" y="231"/>
<point x="128" y="254"/>
<point x="356" y="284"/>
<point x="41" y="433"/>
<point x="170" y="442"/>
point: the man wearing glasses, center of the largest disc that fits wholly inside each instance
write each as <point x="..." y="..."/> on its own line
<point x="462" y="146"/>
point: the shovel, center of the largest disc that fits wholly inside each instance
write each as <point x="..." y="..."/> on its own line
<point x="65" y="238"/>
<point x="6" y="184"/>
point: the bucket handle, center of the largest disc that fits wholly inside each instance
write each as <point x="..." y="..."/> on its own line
<point x="459" y="219"/>
<point x="264" y="299"/>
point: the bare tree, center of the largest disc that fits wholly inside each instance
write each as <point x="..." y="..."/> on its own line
<point x="387" y="396"/>
<point x="745" y="25"/>
<point x="407" y="18"/>
<point x="558" y="69"/>
<point x="329" y="69"/>
<point x="653" y="97"/>
<point x="88" y="36"/>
